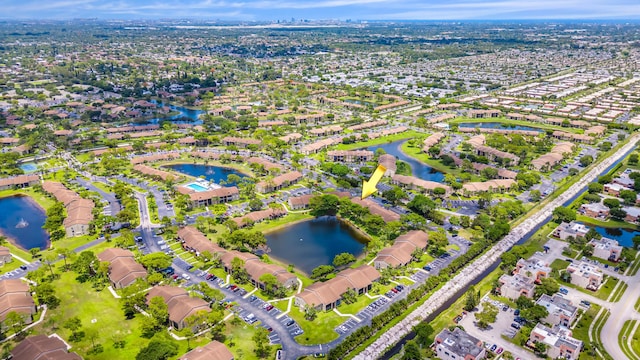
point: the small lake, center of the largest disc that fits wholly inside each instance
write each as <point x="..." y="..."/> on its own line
<point x="495" y="125"/>
<point x="212" y="173"/>
<point x="185" y="116"/>
<point x="360" y="102"/>
<point x="316" y="242"/>
<point x="22" y="222"/>
<point x="623" y="236"/>
<point x="419" y="170"/>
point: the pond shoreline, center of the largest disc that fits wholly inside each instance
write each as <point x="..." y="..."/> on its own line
<point x="322" y="244"/>
<point x="13" y="241"/>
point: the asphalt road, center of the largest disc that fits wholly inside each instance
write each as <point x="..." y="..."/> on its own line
<point x="114" y="204"/>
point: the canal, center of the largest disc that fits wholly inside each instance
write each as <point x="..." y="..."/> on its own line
<point x="398" y="346"/>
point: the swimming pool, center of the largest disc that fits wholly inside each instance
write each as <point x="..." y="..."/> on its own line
<point x="197" y="187"/>
<point x="29" y="167"/>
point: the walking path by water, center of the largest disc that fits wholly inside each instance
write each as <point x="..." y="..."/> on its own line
<point x="405" y="326"/>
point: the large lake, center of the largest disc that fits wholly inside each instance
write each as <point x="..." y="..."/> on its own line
<point x="212" y="173"/>
<point x="23" y="210"/>
<point x="316" y="242"/>
<point x="419" y="169"/>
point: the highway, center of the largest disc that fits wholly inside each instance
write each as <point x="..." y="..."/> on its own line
<point x="473" y="270"/>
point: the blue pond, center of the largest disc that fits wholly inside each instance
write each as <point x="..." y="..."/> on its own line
<point x="212" y="173"/>
<point x="420" y="170"/>
<point x="316" y="242"/>
<point x="623" y="236"/>
<point x="495" y="125"/>
<point x="360" y="102"/>
<point x="185" y="116"/>
<point x="22" y="222"/>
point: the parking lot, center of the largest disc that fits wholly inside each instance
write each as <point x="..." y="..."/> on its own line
<point x="493" y="335"/>
<point x="573" y="163"/>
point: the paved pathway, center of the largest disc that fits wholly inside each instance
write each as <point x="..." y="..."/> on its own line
<point x="482" y="263"/>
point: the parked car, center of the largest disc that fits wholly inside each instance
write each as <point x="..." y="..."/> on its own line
<point x="563" y="291"/>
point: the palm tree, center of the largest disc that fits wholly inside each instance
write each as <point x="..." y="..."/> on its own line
<point x="65" y="254"/>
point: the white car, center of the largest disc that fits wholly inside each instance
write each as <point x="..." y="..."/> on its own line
<point x="186" y="277"/>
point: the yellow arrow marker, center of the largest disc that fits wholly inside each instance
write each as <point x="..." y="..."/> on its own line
<point x="369" y="187"/>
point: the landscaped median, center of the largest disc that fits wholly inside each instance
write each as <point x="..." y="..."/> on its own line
<point x="593" y="348"/>
<point x="626" y="336"/>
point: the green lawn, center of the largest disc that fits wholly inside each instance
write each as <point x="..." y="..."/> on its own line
<point x="275" y="224"/>
<point x="559" y="265"/>
<point x="239" y="340"/>
<point x="99" y="311"/>
<point x="353" y="309"/>
<point x="623" y="337"/>
<point x="597" y="329"/>
<point x="619" y="292"/>
<point x="581" y="332"/>
<point x="453" y="247"/>
<point x="73" y="242"/>
<point x="634" y="267"/>
<point x="318" y="331"/>
<point x="635" y="342"/>
<point x="603" y="292"/>
<point x="424" y="260"/>
<point x="43" y="200"/>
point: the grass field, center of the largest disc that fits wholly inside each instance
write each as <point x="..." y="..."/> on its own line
<point x="239" y="341"/>
<point x="318" y="331"/>
<point x="100" y="312"/>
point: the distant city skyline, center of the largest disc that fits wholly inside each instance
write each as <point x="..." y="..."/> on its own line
<point x="260" y="10"/>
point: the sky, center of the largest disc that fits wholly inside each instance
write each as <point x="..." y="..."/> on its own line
<point x="259" y="10"/>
